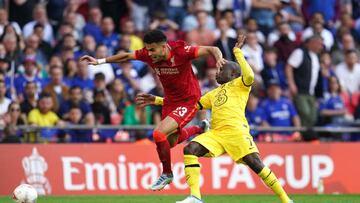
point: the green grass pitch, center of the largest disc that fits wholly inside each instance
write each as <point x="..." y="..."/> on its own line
<point x="207" y="199"/>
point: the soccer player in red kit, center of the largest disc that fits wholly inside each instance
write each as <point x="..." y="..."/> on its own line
<point x="172" y="64"/>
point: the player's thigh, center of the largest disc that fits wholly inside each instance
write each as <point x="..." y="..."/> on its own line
<point x="211" y="142"/>
<point x="168" y="125"/>
<point x="182" y="114"/>
<point x="238" y="145"/>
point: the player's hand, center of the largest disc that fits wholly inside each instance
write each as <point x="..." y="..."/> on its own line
<point x="240" y="41"/>
<point x="144" y="99"/>
<point x="91" y="60"/>
<point x="220" y="63"/>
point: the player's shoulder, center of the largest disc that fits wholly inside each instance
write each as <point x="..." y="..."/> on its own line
<point x="177" y="43"/>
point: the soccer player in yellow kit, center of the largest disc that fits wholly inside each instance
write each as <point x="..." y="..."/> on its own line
<point x="229" y="131"/>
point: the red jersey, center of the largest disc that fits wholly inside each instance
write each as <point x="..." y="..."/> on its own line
<point x="176" y="75"/>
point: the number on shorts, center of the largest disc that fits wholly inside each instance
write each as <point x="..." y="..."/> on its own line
<point x="249" y="141"/>
<point x="181" y="111"/>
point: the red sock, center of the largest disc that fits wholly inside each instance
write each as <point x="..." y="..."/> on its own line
<point x="185" y="133"/>
<point x="163" y="150"/>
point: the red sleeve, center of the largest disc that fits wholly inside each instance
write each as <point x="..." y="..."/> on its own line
<point x="191" y="51"/>
<point x="141" y="55"/>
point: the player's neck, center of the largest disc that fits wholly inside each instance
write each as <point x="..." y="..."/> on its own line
<point x="167" y="54"/>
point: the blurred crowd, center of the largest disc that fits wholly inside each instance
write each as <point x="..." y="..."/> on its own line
<point x="305" y="55"/>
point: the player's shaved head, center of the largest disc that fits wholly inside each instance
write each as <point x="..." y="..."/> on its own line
<point x="228" y="72"/>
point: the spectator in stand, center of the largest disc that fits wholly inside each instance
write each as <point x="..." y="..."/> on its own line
<point x="92" y="26"/>
<point x="14" y="117"/>
<point x="347" y="25"/>
<point x="255" y="114"/>
<point x="252" y="26"/>
<point x="118" y="97"/>
<point x="100" y="108"/>
<point x="21" y="11"/>
<point x="5" y="21"/>
<point x="291" y="12"/>
<point x="4" y="101"/>
<point x="33" y="41"/>
<point x="263" y="12"/>
<point x="29" y="75"/>
<point x="106" y="68"/>
<point x="279" y="111"/>
<point x="129" y="77"/>
<point x="241" y="10"/>
<point x="177" y="10"/>
<point x="167" y="26"/>
<point x="273" y="70"/>
<point x="330" y="10"/>
<point x="224" y="41"/>
<point x="190" y="21"/>
<point x="224" y="29"/>
<point x="76" y="118"/>
<point x="348" y="72"/>
<point x="327" y="70"/>
<point x="332" y="109"/>
<point x="57" y="88"/>
<point x="70" y="70"/>
<point x="346" y="43"/>
<point x="282" y="29"/>
<point x="30" y="98"/>
<point x="44" y="46"/>
<point x="302" y="71"/>
<point x="108" y="36"/>
<point x="71" y="16"/>
<point x="201" y="35"/>
<point x="10" y="135"/>
<point x="100" y="84"/>
<point x="135" y="41"/>
<point x="43" y="116"/>
<point x="76" y="98"/>
<point x="317" y="27"/>
<point x="40" y="16"/>
<point x="88" y="47"/>
<point x="83" y="80"/>
<point x="12" y="46"/>
<point x="284" y="45"/>
<point x="253" y="53"/>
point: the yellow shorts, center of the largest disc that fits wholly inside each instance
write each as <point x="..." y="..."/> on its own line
<point x="236" y="144"/>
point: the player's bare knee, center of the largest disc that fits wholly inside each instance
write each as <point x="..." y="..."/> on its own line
<point x="254" y="162"/>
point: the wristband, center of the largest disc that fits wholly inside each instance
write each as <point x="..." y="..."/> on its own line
<point x="158" y="100"/>
<point x="101" y="61"/>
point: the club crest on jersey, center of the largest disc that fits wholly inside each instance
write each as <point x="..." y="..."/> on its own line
<point x="221" y="98"/>
<point x="172" y="60"/>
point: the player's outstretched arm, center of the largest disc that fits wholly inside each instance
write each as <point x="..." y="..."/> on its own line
<point x="215" y="51"/>
<point x="247" y="72"/>
<point x="111" y="59"/>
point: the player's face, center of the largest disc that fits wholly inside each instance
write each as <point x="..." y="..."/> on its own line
<point x="157" y="51"/>
<point x="224" y="75"/>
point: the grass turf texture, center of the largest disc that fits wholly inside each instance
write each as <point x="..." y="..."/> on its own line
<point x="207" y="199"/>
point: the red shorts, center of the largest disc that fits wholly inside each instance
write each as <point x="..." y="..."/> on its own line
<point x="182" y="114"/>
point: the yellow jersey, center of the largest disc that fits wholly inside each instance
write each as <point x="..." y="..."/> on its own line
<point x="44" y="120"/>
<point x="228" y="102"/>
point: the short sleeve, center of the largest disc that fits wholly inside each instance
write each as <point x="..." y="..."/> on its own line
<point x="296" y="58"/>
<point x="205" y="101"/>
<point x="141" y="55"/>
<point x="191" y="52"/>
